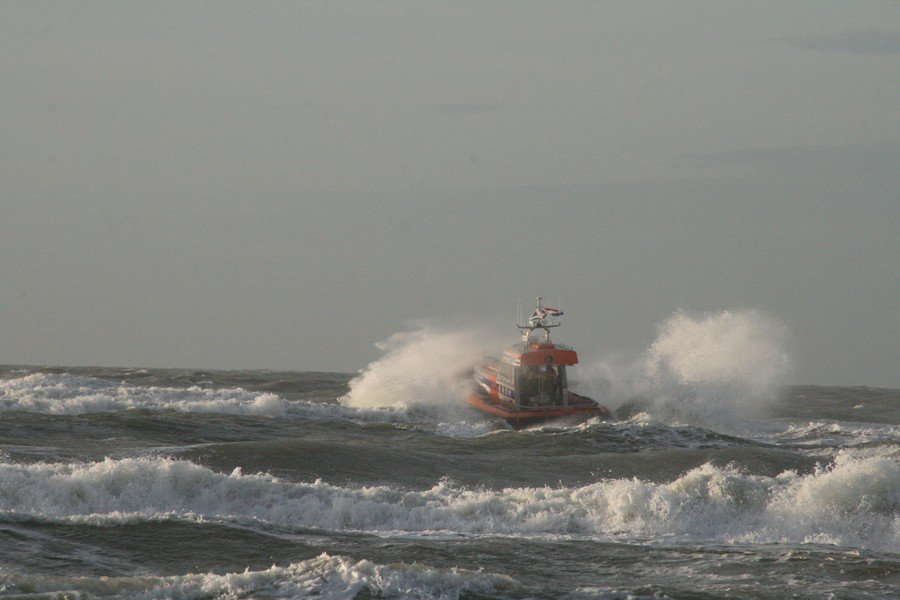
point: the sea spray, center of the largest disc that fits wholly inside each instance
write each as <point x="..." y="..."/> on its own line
<point x="429" y="366"/>
<point x="715" y="369"/>
<point x="743" y="348"/>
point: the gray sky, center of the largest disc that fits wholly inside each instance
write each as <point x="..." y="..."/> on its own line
<point x="281" y="185"/>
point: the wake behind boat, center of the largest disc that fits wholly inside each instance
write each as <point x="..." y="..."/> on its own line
<point x="528" y="384"/>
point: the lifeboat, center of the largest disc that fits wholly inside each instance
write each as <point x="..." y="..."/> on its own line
<point x="528" y="384"/>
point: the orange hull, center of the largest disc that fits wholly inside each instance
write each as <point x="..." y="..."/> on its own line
<point x="522" y="417"/>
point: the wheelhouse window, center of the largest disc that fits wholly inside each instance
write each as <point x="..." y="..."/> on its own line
<point x="543" y="385"/>
<point x="506" y="371"/>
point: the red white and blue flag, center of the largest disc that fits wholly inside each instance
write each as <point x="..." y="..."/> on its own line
<point x="547" y="311"/>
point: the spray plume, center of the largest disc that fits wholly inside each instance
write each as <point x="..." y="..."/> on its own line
<point x="429" y="366"/>
<point x="715" y="369"/>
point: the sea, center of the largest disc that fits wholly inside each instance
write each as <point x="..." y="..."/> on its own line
<point x="180" y="483"/>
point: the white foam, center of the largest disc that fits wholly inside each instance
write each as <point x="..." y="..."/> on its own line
<point x="854" y="502"/>
<point x="826" y="435"/>
<point x="718" y="370"/>
<point x="73" y="394"/>
<point x="324" y="577"/>
<point x="424" y="375"/>
<point x="594" y="593"/>
<point x="743" y="347"/>
<point x="862" y="494"/>
<point x="68" y="394"/>
<point x="428" y="366"/>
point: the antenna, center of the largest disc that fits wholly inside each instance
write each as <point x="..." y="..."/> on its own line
<point x="536" y="321"/>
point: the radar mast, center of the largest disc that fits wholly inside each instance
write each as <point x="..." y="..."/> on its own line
<point x="539" y="319"/>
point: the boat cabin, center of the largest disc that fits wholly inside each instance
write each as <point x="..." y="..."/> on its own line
<point x="535" y="376"/>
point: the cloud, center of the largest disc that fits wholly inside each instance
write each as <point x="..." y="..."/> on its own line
<point x="862" y="41"/>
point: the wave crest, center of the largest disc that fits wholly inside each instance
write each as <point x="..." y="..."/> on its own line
<point x="324" y="576"/>
<point x="853" y="502"/>
<point x="73" y="394"/>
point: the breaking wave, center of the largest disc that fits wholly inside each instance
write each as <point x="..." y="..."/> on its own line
<point x="67" y="394"/>
<point x="826" y="435"/>
<point x="74" y="394"/>
<point x="324" y="576"/>
<point x="854" y="502"/>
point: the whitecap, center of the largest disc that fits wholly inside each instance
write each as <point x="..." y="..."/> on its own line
<point x="852" y="502"/>
<point x="324" y="577"/>
<point x="74" y="394"/>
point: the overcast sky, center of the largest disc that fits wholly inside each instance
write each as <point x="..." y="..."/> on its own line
<point x="281" y="185"/>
